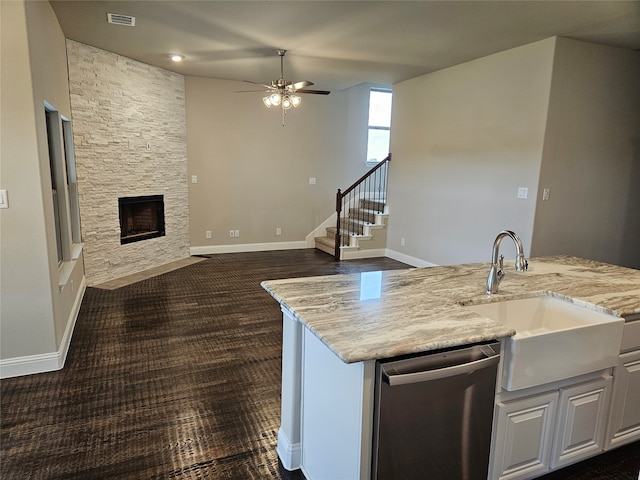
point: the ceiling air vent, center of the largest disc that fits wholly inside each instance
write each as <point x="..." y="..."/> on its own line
<point x="119" y="19"/>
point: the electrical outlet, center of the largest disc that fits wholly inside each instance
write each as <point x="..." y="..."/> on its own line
<point x="312" y="180"/>
<point x="237" y="233"/>
<point x="194" y="178"/>
<point x="545" y="194"/>
<point x="207" y="234"/>
<point x="232" y="233"/>
<point x="402" y="242"/>
<point x="278" y="231"/>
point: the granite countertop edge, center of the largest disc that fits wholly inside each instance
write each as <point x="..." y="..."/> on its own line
<point x="423" y="309"/>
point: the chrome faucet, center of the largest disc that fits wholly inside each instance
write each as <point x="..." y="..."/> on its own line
<point x="496" y="273"/>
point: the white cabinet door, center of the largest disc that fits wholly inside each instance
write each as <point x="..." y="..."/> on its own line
<point x="581" y="424"/>
<point x="624" y="420"/>
<point x="523" y="436"/>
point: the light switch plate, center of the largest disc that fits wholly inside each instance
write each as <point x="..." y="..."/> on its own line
<point x="4" y="200"/>
<point x="523" y="192"/>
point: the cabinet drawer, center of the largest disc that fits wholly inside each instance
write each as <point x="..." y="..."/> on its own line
<point x="630" y="336"/>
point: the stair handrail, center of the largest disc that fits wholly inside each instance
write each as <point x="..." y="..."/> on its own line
<point x="379" y="173"/>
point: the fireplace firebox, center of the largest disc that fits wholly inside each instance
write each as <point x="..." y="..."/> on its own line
<point x="141" y="218"/>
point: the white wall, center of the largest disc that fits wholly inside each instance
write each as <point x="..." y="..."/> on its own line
<point x="119" y="106"/>
<point x="37" y="312"/>
<point x="253" y="173"/>
<point x="591" y="160"/>
<point x="463" y="140"/>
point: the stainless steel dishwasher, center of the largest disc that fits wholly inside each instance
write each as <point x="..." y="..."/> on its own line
<point x="433" y="415"/>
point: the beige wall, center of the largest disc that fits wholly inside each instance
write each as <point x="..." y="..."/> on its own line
<point x="253" y="173"/>
<point x="37" y="315"/>
<point x="463" y="140"/>
<point x="591" y="160"/>
<point x="557" y="114"/>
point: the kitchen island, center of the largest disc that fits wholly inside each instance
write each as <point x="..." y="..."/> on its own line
<point x="336" y="327"/>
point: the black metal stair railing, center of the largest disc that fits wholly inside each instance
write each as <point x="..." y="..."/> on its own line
<point x="354" y="205"/>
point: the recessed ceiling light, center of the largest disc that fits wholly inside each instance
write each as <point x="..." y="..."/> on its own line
<point x="177" y="58"/>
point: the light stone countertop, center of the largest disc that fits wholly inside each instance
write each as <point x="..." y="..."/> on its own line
<point x="378" y="315"/>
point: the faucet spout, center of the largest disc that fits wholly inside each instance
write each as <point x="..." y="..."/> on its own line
<point x="496" y="273"/>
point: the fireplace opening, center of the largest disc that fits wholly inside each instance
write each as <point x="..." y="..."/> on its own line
<point x="141" y="218"/>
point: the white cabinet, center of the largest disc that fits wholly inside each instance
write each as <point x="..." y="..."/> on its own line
<point x="522" y="438"/>
<point x="581" y="423"/>
<point x="624" y="417"/>
<point x="624" y="420"/>
<point x="337" y="414"/>
<point x="538" y="433"/>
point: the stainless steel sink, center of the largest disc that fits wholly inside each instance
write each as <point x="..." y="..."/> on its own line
<point x="556" y="338"/>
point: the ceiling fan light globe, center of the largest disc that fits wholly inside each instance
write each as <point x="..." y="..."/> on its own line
<point x="266" y="101"/>
<point x="286" y="102"/>
<point x="275" y="99"/>
<point x="295" y="100"/>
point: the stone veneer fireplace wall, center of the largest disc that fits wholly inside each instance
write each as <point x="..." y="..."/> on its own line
<point x="130" y="140"/>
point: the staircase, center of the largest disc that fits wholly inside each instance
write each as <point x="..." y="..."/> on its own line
<point x="360" y="211"/>
<point x="362" y="223"/>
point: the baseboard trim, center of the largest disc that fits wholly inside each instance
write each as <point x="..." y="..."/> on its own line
<point x="413" y="261"/>
<point x="247" y="247"/>
<point x="290" y="454"/>
<point x="71" y="323"/>
<point x="45" y="362"/>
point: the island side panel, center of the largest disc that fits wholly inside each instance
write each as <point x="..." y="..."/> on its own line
<point x="337" y="414"/>
<point x="289" y="435"/>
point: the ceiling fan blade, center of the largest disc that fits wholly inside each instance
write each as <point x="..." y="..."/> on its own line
<point x="317" y="92"/>
<point x="249" y="91"/>
<point x="256" y="83"/>
<point x="302" y="84"/>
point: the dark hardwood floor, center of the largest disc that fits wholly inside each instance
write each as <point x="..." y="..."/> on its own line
<point x="177" y="376"/>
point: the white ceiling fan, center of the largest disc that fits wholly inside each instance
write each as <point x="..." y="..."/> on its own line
<point x="284" y="93"/>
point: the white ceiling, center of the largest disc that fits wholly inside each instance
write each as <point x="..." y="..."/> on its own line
<point x="338" y="44"/>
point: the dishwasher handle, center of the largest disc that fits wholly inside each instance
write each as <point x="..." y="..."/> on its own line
<point x="424" y="376"/>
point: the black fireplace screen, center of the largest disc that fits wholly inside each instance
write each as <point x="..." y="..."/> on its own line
<point x="141" y="218"/>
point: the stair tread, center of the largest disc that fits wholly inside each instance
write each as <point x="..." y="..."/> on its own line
<point x="364" y="215"/>
<point x="329" y="241"/>
<point x="372" y="211"/>
<point x="366" y="201"/>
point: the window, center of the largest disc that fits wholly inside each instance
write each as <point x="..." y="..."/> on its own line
<point x="379" y="124"/>
<point x="64" y="188"/>
<point x="72" y="180"/>
<point x="53" y="140"/>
